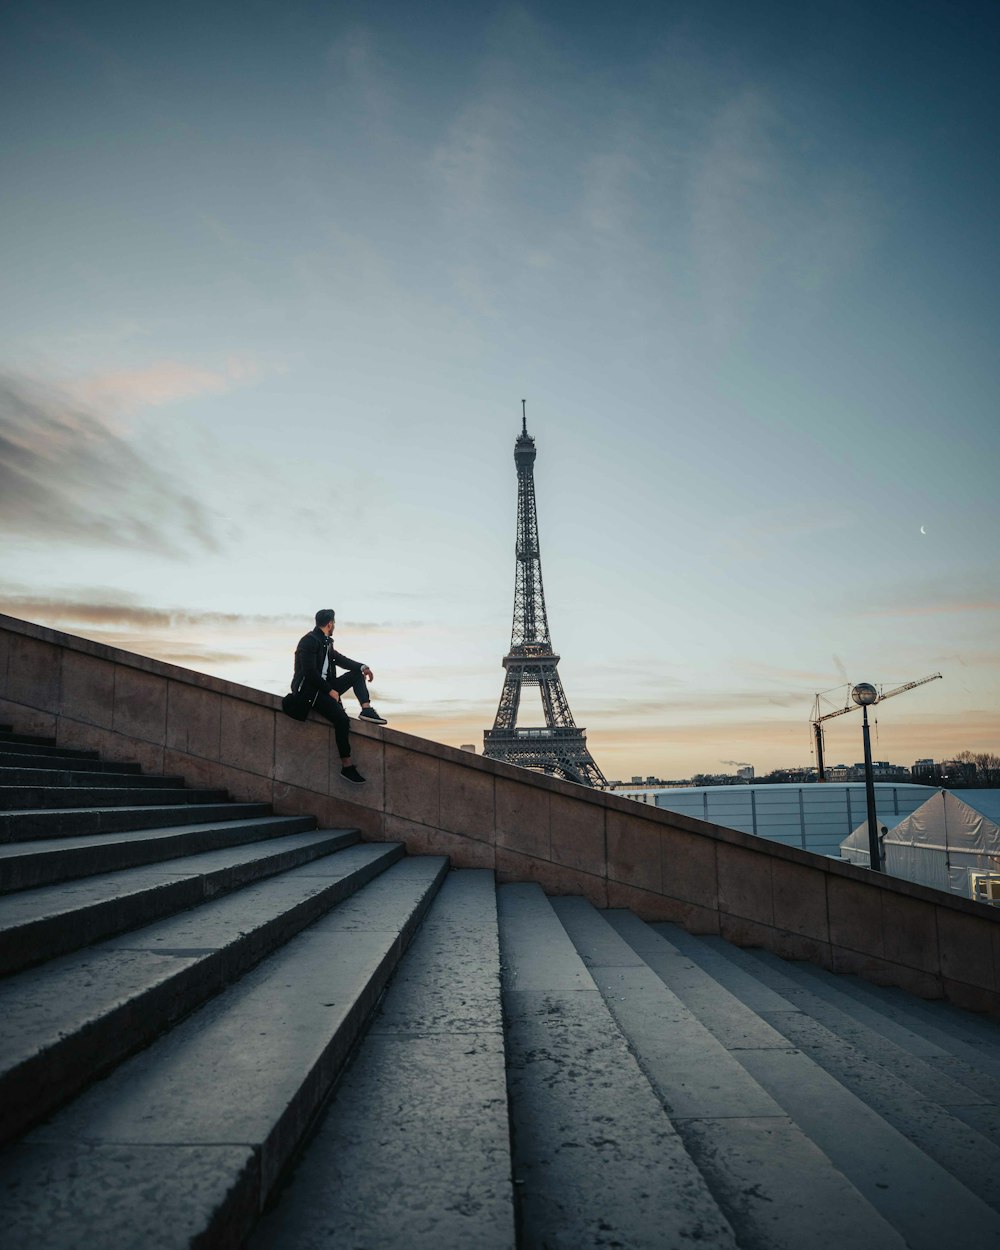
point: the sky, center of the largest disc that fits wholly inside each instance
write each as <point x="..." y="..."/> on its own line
<point x="277" y="276"/>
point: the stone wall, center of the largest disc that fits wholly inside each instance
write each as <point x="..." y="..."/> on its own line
<point x="435" y="798"/>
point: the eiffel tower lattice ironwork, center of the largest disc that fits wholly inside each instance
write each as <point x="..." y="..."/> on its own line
<point x="558" y="748"/>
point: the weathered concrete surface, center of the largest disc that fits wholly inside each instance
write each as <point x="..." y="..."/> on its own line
<point x="26" y="865"/>
<point x="954" y="1041"/>
<point x="596" y="1160"/>
<point x="33" y="776"/>
<point x="919" y="1198"/>
<point x="66" y="1022"/>
<point x="39" y="924"/>
<point x="90" y="1198"/>
<point x="414" y="1150"/>
<point x="236" y="1084"/>
<point x="922" y="1103"/>
<point x="26" y="798"/>
<point x="775" y="1187"/>
<point x="56" y="822"/>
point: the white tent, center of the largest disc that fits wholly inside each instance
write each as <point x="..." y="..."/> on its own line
<point x="951" y="839"/>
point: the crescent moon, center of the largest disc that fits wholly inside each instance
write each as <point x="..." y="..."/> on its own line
<point x="922" y="530"/>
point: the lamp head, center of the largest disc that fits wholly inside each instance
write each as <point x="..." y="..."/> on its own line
<point x="864" y="694"/>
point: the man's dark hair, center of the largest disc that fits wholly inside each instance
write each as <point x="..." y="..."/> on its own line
<point x="324" y="616"/>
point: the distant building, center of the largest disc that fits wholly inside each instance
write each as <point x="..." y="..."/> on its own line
<point x="951" y="842"/>
<point x="882" y="770"/>
<point x="813" y="817"/>
<point x="745" y="773"/>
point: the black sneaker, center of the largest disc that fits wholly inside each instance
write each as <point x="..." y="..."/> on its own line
<point x="352" y="774"/>
<point x="369" y="714"/>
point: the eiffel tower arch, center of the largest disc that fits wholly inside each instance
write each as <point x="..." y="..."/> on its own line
<point x="559" y="747"/>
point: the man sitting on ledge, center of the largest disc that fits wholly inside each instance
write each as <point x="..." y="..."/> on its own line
<point x="316" y="674"/>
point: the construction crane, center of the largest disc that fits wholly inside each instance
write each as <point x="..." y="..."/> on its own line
<point x="818" y="718"/>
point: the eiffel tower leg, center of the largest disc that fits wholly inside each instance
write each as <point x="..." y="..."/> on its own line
<point x="510" y="700"/>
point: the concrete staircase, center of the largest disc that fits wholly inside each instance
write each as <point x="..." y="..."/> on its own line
<point x="220" y="1027"/>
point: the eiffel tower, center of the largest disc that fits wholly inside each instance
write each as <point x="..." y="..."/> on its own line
<point x="558" y="748"/>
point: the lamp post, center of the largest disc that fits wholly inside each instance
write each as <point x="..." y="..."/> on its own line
<point x="864" y="695"/>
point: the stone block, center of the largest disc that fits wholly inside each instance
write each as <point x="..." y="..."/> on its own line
<point x="27" y="720"/>
<point x="368" y="754"/>
<point x="202" y="774"/>
<point x="88" y="688"/>
<point x="634" y="851"/>
<point x="467" y="801"/>
<point x="970" y="997"/>
<point x="688" y="870"/>
<point x="302" y="752"/>
<point x="33" y="673"/>
<point x="909" y="928"/>
<point x="576" y="831"/>
<point x="463" y="852"/>
<point x="855" y="910"/>
<point x="798" y="894"/>
<point x="329" y="811"/>
<point x="965" y="944"/>
<point x="522" y="818"/>
<point x="5" y="640"/>
<point x="140" y="709"/>
<point x="996" y="953"/>
<point x="657" y="908"/>
<point x="553" y="878"/>
<point x="745" y="883"/>
<point x="884" y="972"/>
<point x="194" y="720"/>
<point x="111" y="745"/>
<point x="743" y="932"/>
<point x="247" y="735"/>
<point x="412" y="785"/>
<point x="849" y="961"/>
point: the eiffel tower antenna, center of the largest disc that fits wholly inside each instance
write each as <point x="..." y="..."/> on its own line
<point x="558" y="747"/>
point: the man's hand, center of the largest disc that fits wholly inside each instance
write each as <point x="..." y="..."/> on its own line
<point x="367" y="673"/>
<point x="334" y="695"/>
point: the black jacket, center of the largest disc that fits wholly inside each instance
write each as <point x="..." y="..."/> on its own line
<point x="309" y="656"/>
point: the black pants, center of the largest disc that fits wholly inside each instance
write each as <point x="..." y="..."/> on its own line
<point x="334" y="710"/>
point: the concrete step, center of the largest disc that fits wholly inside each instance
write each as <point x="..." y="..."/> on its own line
<point x="66" y="1023"/>
<point x="775" y="1187"/>
<point x="27" y="826"/>
<point x="204" y="1122"/>
<point x="964" y="1045"/>
<point x="28" y="798"/>
<point x="39" y="924"/>
<point x="26" y="865"/>
<point x="962" y="1087"/>
<point x="38" y="745"/>
<point x="33" y="777"/>
<point x="422" y="1110"/>
<point x="85" y="763"/>
<point x="921" y="1199"/>
<point x="597" y="1161"/>
<point x="918" y="1101"/>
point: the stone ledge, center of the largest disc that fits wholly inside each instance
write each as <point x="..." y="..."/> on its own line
<point x="487" y="813"/>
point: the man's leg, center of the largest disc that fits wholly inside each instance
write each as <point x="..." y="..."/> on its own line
<point x="334" y="712"/>
<point x="356" y="682"/>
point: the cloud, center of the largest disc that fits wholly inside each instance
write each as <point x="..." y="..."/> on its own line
<point x="760" y="212"/>
<point x="936" y="609"/>
<point x="66" y="477"/>
<point x="96" y="609"/>
<point x="163" y="382"/>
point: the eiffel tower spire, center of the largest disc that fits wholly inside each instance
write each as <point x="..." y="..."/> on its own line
<point x="558" y="748"/>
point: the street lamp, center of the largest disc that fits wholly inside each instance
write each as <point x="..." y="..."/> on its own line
<point x="864" y="695"/>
